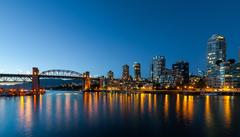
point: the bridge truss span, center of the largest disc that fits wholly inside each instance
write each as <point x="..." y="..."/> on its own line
<point x="35" y="77"/>
<point x="15" y="78"/>
<point x="65" y="74"/>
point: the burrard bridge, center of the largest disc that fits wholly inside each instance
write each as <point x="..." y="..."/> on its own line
<point x="50" y="74"/>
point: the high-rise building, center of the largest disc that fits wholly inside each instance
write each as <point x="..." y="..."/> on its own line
<point x="110" y="75"/>
<point x="235" y="73"/>
<point x="180" y="72"/>
<point x="157" y="68"/>
<point x="216" y="54"/>
<point x="166" y="79"/>
<point x="137" y="71"/>
<point x="125" y="73"/>
<point x="216" y="51"/>
<point x="227" y="73"/>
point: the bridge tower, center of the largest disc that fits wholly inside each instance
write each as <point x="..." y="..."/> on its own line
<point x="35" y="80"/>
<point x="87" y="81"/>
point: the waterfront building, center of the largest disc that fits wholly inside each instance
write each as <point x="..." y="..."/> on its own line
<point x="180" y="72"/>
<point x="226" y="75"/>
<point x="216" y="50"/>
<point x="125" y="73"/>
<point x="157" y="68"/>
<point x="166" y="79"/>
<point x="110" y="75"/>
<point x="216" y="54"/>
<point x="230" y="74"/>
<point x="102" y="83"/>
<point x="114" y="85"/>
<point x="235" y="73"/>
<point x="110" y="79"/>
<point x="213" y="77"/>
<point x="137" y="71"/>
<point x="197" y="81"/>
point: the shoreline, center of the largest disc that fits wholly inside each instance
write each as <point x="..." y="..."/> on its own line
<point x="20" y="92"/>
<point x="168" y="92"/>
<point x="197" y="93"/>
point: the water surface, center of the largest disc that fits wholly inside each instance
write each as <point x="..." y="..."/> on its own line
<point x="74" y="114"/>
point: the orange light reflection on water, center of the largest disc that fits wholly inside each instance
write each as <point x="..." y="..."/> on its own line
<point x="25" y="113"/>
<point x="166" y="106"/>
<point x="110" y="97"/>
<point x="188" y="108"/>
<point x="155" y="103"/>
<point x="227" y="110"/>
<point x="125" y="103"/>
<point x="149" y="103"/>
<point x="142" y="102"/>
<point x="208" y="113"/>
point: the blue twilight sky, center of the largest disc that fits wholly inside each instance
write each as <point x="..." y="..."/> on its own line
<point x="99" y="35"/>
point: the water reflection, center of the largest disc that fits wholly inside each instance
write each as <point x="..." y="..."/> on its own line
<point x="227" y="110"/>
<point x="59" y="110"/>
<point x="76" y="110"/>
<point x="142" y="102"/>
<point x="208" y="113"/>
<point x="49" y="110"/>
<point x="150" y="103"/>
<point x="166" y="106"/>
<point x="67" y="110"/>
<point x="25" y="115"/>
<point x="88" y="106"/>
<point x="190" y="108"/>
<point x="2" y="106"/>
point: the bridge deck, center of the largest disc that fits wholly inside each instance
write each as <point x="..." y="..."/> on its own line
<point x="28" y="77"/>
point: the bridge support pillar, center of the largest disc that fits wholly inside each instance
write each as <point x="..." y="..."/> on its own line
<point x="35" y="80"/>
<point x="87" y="81"/>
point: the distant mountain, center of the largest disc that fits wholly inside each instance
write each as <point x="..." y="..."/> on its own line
<point x="45" y="83"/>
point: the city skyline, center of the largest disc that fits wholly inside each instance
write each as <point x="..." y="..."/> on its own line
<point x="116" y="68"/>
<point x="50" y="37"/>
